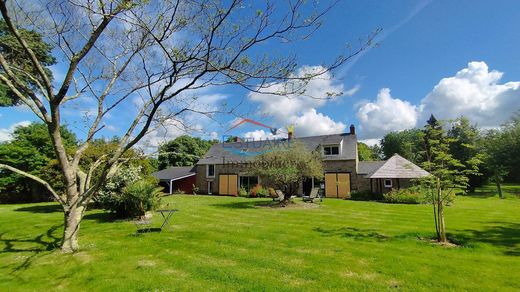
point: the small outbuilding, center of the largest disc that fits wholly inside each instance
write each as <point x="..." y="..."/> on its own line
<point x="175" y="178"/>
<point x="395" y="173"/>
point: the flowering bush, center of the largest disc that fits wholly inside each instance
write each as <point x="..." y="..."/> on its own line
<point x="127" y="194"/>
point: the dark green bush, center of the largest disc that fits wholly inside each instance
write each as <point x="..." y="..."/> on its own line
<point x="405" y="196"/>
<point x="365" y="196"/>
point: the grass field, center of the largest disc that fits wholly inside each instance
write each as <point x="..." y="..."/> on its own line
<point x="222" y="243"/>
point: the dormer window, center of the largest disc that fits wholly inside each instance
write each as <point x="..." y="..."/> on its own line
<point x="331" y="150"/>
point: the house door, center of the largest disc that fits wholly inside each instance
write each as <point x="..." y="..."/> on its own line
<point x="228" y="184"/>
<point x="337" y="185"/>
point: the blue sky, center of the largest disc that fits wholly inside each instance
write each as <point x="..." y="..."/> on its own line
<point x="443" y="57"/>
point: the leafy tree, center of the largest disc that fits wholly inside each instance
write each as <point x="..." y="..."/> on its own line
<point x="406" y="143"/>
<point x="12" y="51"/>
<point x="368" y="153"/>
<point x="285" y="167"/>
<point x="122" y="51"/>
<point x="364" y="152"/>
<point x="31" y="150"/>
<point x="183" y="151"/>
<point x="501" y="153"/>
<point x="448" y="174"/>
<point x="465" y="146"/>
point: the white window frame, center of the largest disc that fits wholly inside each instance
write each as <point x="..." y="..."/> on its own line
<point x="332" y="145"/>
<point x="387" y="185"/>
<point x="207" y="170"/>
<point x="210" y="192"/>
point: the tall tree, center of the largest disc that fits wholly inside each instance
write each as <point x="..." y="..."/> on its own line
<point x="465" y="146"/>
<point x="406" y="143"/>
<point x="369" y="153"/>
<point x="448" y="174"/>
<point x="501" y="153"/>
<point x="13" y="53"/>
<point x="145" y="60"/>
<point x="183" y="151"/>
<point x="31" y="150"/>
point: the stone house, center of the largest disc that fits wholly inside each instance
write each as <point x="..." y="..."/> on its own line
<point x="223" y="170"/>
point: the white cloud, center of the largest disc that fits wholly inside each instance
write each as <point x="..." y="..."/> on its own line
<point x="299" y="108"/>
<point x="371" y="142"/>
<point x="6" y="133"/>
<point x="474" y="92"/>
<point x="312" y="123"/>
<point x="385" y="114"/>
<point x="168" y="130"/>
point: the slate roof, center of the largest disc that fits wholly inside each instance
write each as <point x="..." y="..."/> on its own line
<point x="175" y="172"/>
<point x="398" y="167"/>
<point x="246" y="151"/>
<point x="366" y="167"/>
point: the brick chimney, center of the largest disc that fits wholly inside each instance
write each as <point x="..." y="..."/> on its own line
<point x="352" y="130"/>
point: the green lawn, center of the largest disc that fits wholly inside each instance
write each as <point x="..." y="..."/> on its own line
<point x="222" y="243"/>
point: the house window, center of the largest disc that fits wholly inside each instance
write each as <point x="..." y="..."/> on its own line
<point x="210" y="170"/>
<point x="331" y="150"/>
<point x="388" y="183"/>
<point x="248" y="182"/>
<point x="210" y="187"/>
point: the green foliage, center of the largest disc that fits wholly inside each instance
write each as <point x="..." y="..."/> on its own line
<point x="183" y="151"/>
<point x="465" y="147"/>
<point x="15" y="55"/>
<point x="141" y="196"/>
<point x="285" y="167"/>
<point x="368" y="153"/>
<point x="259" y="192"/>
<point x="242" y="192"/>
<point x="406" y="143"/>
<point x="365" y="196"/>
<point x="128" y="194"/>
<point x="411" y="195"/>
<point x="31" y="150"/>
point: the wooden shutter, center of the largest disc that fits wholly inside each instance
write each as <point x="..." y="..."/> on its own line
<point x="223" y="184"/>
<point x="233" y="184"/>
<point x="343" y="185"/>
<point x="331" y="189"/>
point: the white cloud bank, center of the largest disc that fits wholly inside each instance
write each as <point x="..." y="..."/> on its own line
<point x="301" y="109"/>
<point x="474" y="92"/>
<point x="6" y="133"/>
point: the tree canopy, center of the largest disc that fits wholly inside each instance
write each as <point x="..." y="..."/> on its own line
<point x="13" y="52"/>
<point x="183" y="151"/>
<point x="285" y="167"/>
<point x="405" y="143"/>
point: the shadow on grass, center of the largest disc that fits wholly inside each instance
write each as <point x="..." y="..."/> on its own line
<point x="41" y="209"/>
<point x="354" y="233"/>
<point x="101" y="217"/>
<point x="34" y="245"/>
<point x="503" y="235"/>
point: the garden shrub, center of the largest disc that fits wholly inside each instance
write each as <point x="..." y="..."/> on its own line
<point x="127" y="194"/>
<point x="365" y="196"/>
<point x="405" y="196"/>
<point x="242" y="193"/>
<point x="259" y="192"/>
<point x="140" y="197"/>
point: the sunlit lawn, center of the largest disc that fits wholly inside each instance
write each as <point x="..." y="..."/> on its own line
<point x="222" y="243"/>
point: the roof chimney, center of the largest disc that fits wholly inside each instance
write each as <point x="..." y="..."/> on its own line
<point x="290" y="132"/>
<point x="352" y="130"/>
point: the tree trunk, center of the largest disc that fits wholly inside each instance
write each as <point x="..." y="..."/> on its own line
<point x="70" y="233"/>
<point x="499" y="189"/>
<point x="442" y="225"/>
